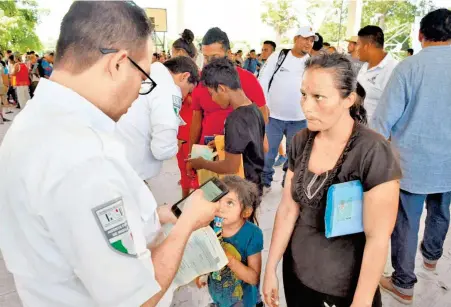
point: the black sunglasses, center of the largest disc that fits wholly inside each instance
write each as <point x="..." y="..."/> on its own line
<point x="147" y="85"/>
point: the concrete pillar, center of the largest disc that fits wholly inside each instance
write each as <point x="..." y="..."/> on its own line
<point x="354" y="17"/>
<point x="180" y="7"/>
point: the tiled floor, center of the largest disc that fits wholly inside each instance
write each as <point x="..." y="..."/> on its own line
<point x="429" y="291"/>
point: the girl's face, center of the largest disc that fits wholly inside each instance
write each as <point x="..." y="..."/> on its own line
<point x="321" y="100"/>
<point x="231" y="210"/>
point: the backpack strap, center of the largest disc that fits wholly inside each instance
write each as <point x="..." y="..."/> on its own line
<point x="282" y="56"/>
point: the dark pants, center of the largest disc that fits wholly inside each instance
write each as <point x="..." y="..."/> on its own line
<point x="33" y="88"/>
<point x="404" y="242"/>
<point x="12" y="93"/>
<point x="299" y="295"/>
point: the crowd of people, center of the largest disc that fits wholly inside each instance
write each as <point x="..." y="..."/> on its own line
<point x="106" y="115"/>
<point x="20" y="75"/>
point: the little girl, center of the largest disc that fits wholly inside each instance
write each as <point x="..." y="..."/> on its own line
<point x="242" y="240"/>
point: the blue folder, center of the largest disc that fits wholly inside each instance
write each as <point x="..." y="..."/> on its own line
<point x="344" y="209"/>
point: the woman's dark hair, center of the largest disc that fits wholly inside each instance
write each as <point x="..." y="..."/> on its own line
<point x="345" y="79"/>
<point x="220" y="71"/>
<point x="247" y="193"/>
<point x="182" y="64"/>
<point x="185" y="42"/>
<point x="436" y="26"/>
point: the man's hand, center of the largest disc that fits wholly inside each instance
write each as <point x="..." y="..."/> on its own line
<point x="198" y="212"/>
<point x="212" y="145"/>
<point x="197" y="163"/>
<point x="190" y="171"/>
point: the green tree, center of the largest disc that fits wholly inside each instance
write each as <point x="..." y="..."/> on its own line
<point x="18" y="20"/>
<point x="280" y="15"/>
<point x="333" y="16"/>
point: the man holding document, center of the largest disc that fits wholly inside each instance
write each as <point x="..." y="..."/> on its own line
<point x="78" y="232"/>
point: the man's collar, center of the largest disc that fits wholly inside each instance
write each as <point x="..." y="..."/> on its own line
<point x="70" y="101"/>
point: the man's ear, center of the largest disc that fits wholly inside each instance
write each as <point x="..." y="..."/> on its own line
<point x="222" y="88"/>
<point x="116" y="61"/>
<point x="185" y="76"/>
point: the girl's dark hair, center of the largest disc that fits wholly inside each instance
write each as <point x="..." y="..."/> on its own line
<point x="247" y="193"/>
<point x="345" y="79"/>
<point x="185" y="42"/>
<point x="182" y="64"/>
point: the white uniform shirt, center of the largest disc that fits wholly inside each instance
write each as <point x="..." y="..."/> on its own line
<point x="374" y="81"/>
<point x="64" y="183"/>
<point x="284" y="96"/>
<point x="150" y="126"/>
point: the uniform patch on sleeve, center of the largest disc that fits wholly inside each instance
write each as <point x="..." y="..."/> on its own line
<point x="112" y="220"/>
<point x="177" y="105"/>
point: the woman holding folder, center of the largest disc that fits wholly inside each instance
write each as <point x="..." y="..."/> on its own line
<point x="335" y="148"/>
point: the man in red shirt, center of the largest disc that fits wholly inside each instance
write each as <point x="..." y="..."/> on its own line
<point x="208" y="117"/>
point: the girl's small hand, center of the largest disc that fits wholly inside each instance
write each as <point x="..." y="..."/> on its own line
<point x="271" y="289"/>
<point x="200" y="283"/>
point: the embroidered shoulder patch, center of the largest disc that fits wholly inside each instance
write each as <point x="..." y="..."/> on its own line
<point x="112" y="220"/>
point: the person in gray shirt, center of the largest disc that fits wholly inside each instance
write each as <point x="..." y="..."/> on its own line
<point x="415" y="110"/>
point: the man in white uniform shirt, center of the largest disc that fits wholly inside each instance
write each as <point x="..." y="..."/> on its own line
<point x="75" y="218"/>
<point x="378" y="66"/>
<point x="149" y="128"/>
<point x="281" y="79"/>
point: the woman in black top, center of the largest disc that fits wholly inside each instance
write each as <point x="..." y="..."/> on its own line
<point x="336" y="147"/>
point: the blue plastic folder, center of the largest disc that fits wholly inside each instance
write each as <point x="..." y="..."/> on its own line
<point x="344" y="209"/>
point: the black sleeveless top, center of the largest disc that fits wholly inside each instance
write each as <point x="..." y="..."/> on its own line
<point x="332" y="266"/>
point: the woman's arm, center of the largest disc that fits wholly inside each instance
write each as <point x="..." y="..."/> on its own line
<point x="379" y="217"/>
<point x="249" y="274"/>
<point x="286" y="217"/>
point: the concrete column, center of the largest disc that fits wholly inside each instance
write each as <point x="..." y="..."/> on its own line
<point x="354" y="17"/>
<point x="180" y="7"/>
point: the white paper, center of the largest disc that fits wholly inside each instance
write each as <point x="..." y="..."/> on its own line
<point x="203" y="254"/>
<point x="202" y="151"/>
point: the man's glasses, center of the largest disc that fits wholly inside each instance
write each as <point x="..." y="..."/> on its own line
<point x="147" y="85"/>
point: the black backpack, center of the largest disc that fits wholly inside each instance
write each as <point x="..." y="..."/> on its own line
<point x="282" y="56"/>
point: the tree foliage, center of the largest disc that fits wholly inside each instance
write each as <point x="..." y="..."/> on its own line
<point x="18" y="20"/>
<point x="279" y="15"/>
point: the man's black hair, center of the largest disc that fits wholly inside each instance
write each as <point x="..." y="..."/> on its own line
<point x="216" y="35"/>
<point x="253" y="50"/>
<point x="410" y="51"/>
<point x="318" y="45"/>
<point x="325" y="44"/>
<point x="220" y="72"/>
<point x="28" y="53"/>
<point x="273" y="44"/>
<point x="32" y="52"/>
<point x="239" y="51"/>
<point x="182" y="64"/>
<point x="90" y="25"/>
<point x="374" y="34"/>
<point x="436" y="26"/>
<point x="9" y="51"/>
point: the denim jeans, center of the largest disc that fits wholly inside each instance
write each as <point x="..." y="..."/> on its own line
<point x="275" y="130"/>
<point x="404" y="241"/>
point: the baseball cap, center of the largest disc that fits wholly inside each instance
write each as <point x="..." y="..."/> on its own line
<point x="352" y="39"/>
<point x="307" y="31"/>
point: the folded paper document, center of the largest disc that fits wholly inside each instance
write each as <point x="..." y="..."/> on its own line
<point x="203" y="254"/>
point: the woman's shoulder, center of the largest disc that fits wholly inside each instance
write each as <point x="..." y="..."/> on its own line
<point x="366" y="138"/>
